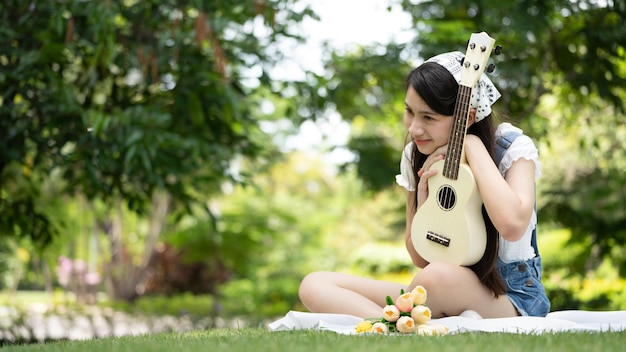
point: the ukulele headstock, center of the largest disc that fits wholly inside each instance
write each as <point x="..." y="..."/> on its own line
<point x="479" y="49"/>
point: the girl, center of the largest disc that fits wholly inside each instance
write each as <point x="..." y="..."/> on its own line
<point x="507" y="281"/>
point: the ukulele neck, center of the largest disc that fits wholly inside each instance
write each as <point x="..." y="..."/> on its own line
<point x="456" y="143"/>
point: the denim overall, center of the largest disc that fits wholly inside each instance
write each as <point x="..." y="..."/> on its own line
<point x="523" y="278"/>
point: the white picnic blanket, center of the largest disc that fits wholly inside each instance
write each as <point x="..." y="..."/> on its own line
<point x="570" y="320"/>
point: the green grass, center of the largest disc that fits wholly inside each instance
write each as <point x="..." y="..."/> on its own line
<point x="259" y="339"/>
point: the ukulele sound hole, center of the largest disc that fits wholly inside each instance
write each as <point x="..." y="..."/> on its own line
<point x="447" y="197"/>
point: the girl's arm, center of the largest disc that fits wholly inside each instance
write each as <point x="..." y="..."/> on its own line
<point x="410" y="213"/>
<point x="509" y="201"/>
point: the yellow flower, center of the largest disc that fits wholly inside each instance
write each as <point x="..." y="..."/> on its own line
<point x="380" y="328"/>
<point x="405" y="325"/>
<point x="391" y="313"/>
<point x="419" y="295"/>
<point x="405" y="302"/>
<point x="421" y="314"/>
<point x="364" y="326"/>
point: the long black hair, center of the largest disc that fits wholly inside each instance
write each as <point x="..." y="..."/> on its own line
<point x="439" y="89"/>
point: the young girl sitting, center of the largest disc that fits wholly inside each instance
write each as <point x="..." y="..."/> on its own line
<point x="506" y="282"/>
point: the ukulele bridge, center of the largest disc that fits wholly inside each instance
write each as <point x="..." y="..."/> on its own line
<point x="437" y="238"/>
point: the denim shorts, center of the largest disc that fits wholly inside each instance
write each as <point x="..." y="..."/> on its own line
<point x="524" y="287"/>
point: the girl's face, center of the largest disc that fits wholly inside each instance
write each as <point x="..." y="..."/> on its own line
<point x="428" y="129"/>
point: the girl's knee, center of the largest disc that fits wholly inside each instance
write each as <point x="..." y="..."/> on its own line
<point x="435" y="275"/>
<point x="310" y="284"/>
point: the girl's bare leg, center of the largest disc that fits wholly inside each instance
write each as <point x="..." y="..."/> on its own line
<point x="329" y="292"/>
<point x="453" y="289"/>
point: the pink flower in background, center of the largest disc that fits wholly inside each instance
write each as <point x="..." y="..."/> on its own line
<point x="64" y="270"/>
<point x="80" y="266"/>
<point x="92" y="278"/>
<point x="69" y="270"/>
<point x="65" y="265"/>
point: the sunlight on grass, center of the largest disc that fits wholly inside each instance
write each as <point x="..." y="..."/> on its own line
<point x="27" y="297"/>
<point x="24" y="298"/>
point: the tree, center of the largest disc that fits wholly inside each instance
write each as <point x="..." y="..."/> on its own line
<point x="366" y="87"/>
<point x="585" y="185"/>
<point x="129" y="100"/>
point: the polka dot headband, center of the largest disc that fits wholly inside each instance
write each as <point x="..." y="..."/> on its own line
<point x="484" y="93"/>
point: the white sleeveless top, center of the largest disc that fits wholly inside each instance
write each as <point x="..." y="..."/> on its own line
<point x="522" y="147"/>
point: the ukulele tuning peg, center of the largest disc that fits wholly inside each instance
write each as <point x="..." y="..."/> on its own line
<point x="491" y="68"/>
<point x="498" y="49"/>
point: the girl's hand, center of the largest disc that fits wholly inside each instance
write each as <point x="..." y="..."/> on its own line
<point x="425" y="173"/>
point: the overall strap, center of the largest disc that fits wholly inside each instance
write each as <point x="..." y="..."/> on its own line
<point x="502" y="144"/>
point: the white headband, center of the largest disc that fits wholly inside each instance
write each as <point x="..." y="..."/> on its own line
<point x="484" y="93"/>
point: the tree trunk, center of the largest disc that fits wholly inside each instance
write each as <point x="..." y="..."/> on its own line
<point x="160" y="208"/>
<point x="126" y="281"/>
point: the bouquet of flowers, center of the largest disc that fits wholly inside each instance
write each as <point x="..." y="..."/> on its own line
<point x="407" y="314"/>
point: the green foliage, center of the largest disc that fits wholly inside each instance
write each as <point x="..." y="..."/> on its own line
<point x="375" y="159"/>
<point x="255" y="225"/>
<point x="124" y="100"/>
<point x="128" y="97"/>
<point x="583" y="186"/>
<point x="568" y="290"/>
<point x="296" y="218"/>
<point x="379" y="258"/>
<point x="18" y="203"/>
<point x="593" y="207"/>
<point x="570" y="284"/>
<point x="367" y="88"/>
<point x="265" y="237"/>
<point x="260" y="299"/>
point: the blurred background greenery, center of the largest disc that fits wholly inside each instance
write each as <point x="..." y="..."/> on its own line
<point x="143" y="154"/>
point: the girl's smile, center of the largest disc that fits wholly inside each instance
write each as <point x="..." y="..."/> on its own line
<point x="429" y="130"/>
<point x="421" y="142"/>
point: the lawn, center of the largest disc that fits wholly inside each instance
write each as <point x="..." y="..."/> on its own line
<point x="259" y="339"/>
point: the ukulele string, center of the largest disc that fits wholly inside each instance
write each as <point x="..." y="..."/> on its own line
<point x="457" y="138"/>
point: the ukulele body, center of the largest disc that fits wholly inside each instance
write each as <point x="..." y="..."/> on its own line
<point x="449" y="226"/>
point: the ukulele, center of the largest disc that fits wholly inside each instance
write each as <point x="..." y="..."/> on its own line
<point x="449" y="226"/>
